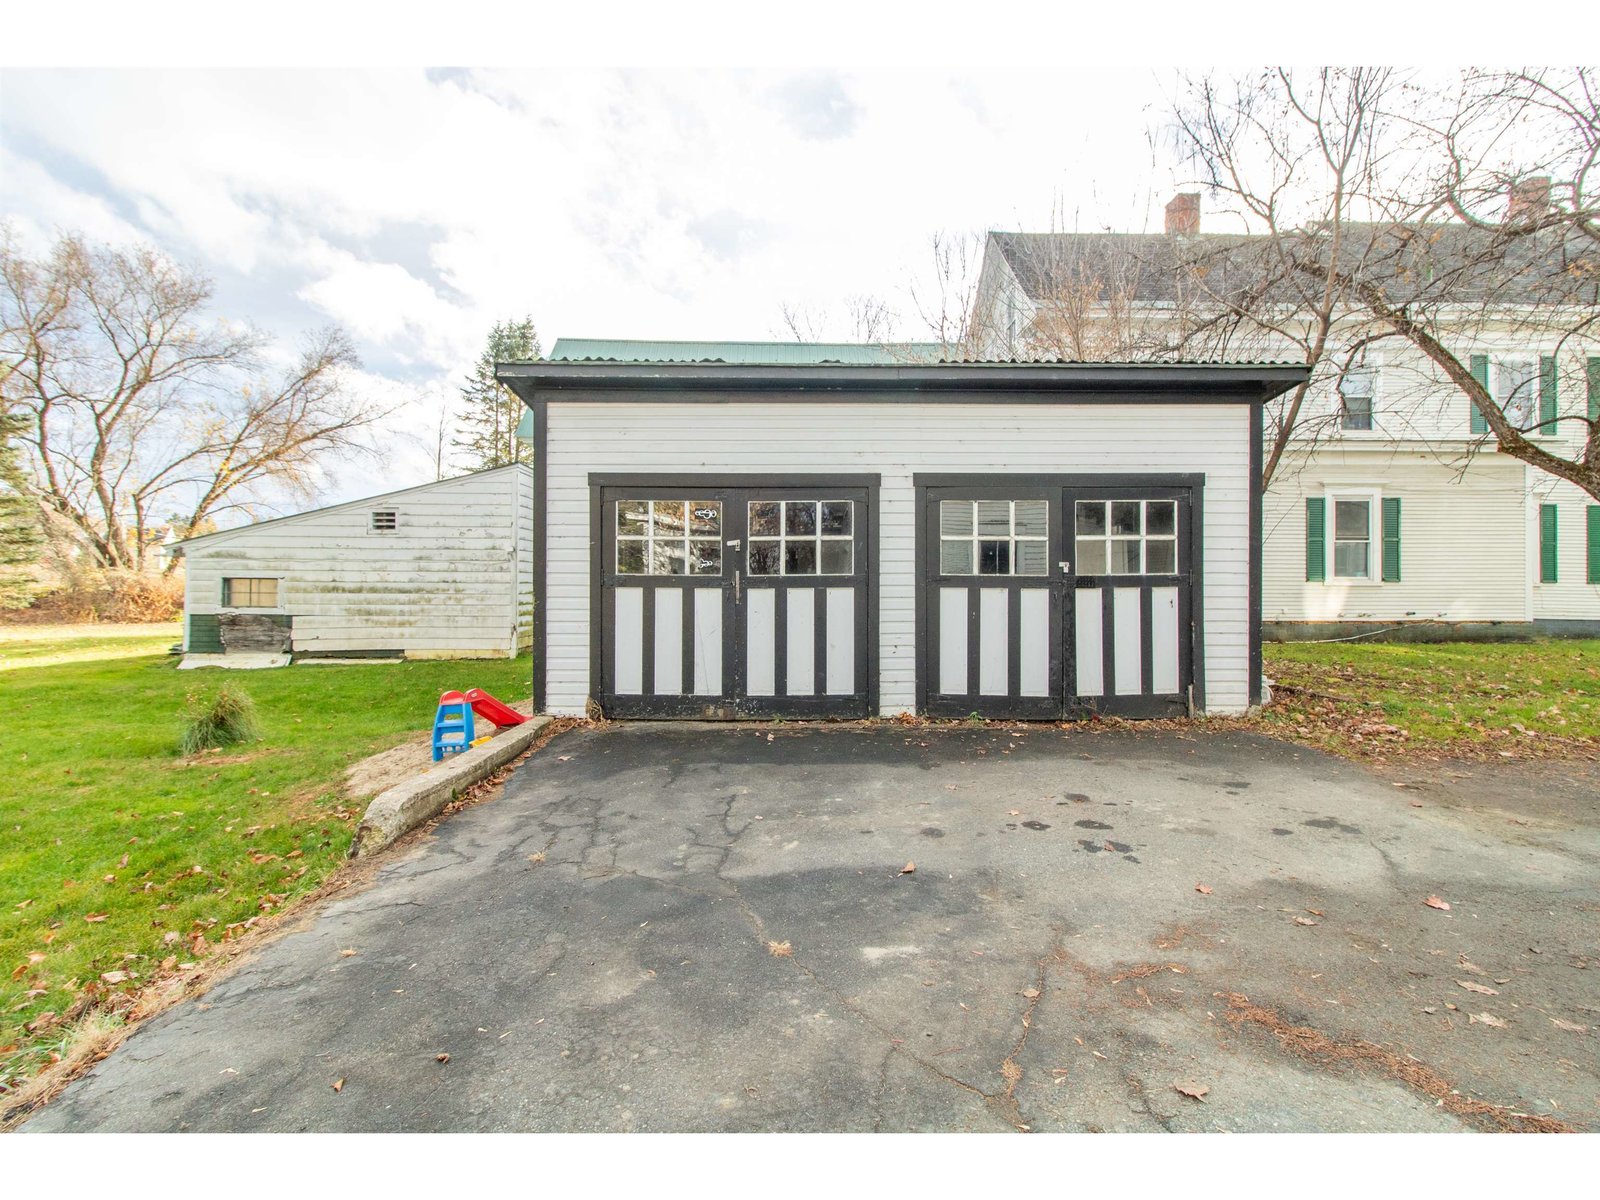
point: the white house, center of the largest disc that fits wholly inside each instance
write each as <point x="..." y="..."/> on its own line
<point x="875" y="537"/>
<point x="442" y="570"/>
<point x="1392" y="511"/>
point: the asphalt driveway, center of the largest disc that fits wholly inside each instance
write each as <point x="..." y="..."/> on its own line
<point x="708" y="928"/>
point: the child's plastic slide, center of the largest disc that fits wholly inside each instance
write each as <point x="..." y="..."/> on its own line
<point x="490" y="709"/>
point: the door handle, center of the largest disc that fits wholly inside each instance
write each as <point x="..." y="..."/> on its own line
<point x="736" y="586"/>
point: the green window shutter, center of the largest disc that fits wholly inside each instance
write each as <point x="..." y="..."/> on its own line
<point x="1316" y="539"/>
<point x="1547" y="393"/>
<point x="1391" y="539"/>
<point x="1547" y="543"/>
<point x="1480" y="372"/>
<point x="1594" y="389"/>
<point x="1594" y="541"/>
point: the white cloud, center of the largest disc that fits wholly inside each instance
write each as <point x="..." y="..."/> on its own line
<point x="605" y="203"/>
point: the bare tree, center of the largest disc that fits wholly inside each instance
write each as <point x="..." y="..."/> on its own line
<point x="867" y="319"/>
<point x="1385" y="207"/>
<point x="139" y="412"/>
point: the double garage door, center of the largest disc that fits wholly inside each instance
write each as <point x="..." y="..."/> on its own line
<point x="1036" y="597"/>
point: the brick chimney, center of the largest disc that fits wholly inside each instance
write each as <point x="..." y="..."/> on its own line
<point x="1183" y="214"/>
<point x="1529" y="199"/>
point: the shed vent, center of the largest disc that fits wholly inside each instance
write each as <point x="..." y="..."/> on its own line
<point x="385" y="520"/>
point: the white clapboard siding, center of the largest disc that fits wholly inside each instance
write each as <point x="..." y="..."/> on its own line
<point x="1571" y="597"/>
<point x="1463" y="550"/>
<point x="454" y="577"/>
<point x="897" y="439"/>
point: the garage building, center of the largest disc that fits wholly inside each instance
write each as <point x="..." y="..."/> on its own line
<point x="442" y="570"/>
<point x="1028" y="540"/>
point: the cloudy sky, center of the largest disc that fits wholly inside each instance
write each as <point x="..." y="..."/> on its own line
<point x="416" y="206"/>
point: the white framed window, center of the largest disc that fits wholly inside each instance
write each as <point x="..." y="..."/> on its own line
<point x="1126" y="537"/>
<point x="1514" y="384"/>
<point x="249" y="593"/>
<point x="384" y="520"/>
<point x="801" y="537"/>
<point x="669" y="537"/>
<point x="1358" y="389"/>
<point x="1354" y="540"/>
<point x="994" y="537"/>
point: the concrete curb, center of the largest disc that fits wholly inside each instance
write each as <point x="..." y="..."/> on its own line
<point x="406" y="805"/>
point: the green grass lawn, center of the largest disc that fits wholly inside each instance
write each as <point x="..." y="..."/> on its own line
<point x="46" y="645"/>
<point x="1456" y="697"/>
<point x="118" y="855"/>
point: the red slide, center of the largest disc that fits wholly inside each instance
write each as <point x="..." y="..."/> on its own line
<point x="490" y="709"/>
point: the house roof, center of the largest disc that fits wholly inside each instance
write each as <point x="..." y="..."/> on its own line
<point x="176" y="548"/>
<point x="772" y="353"/>
<point x="1158" y="268"/>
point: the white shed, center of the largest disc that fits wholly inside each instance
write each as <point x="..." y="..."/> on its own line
<point x="442" y="570"/>
<point x="719" y="539"/>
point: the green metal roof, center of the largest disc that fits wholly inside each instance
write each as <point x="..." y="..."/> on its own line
<point x="746" y="353"/>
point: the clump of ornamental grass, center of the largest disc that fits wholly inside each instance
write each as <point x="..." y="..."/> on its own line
<point x="225" y="719"/>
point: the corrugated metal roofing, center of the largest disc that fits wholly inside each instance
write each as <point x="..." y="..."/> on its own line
<point x="859" y="354"/>
<point x="745" y="353"/>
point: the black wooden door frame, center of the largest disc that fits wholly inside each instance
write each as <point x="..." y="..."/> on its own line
<point x="734" y="489"/>
<point x="1052" y="487"/>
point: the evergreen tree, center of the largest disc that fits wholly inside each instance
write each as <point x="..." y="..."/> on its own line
<point x="490" y="410"/>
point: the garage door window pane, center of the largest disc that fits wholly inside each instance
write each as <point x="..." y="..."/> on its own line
<point x="633" y="518"/>
<point x="1125" y="518"/>
<point x="668" y="558"/>
<point x="955" y="518"/>
<point x="1124" y="557"/>
<point x="766" y="557"/>
<point x="705" y="557"/>
<point x="955" y="557"/>
<point x="800" y="558"/>
<point x="766" y="518"/>
<point x="630" y="557"/>
<point x="836" y="518"/>
<point x="705" y="518"/>
<point x="1161" y="557"/>
<point x="1091" y="518"/>
<point x="1091" y="557"/>
<point x="799" y="518"/>
<point x="1160" y="517"/>
<point x="994" y="557"/>
<point x="838" y="558"/>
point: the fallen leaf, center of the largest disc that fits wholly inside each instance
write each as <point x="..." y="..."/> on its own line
<point x="114" y="977"/>
<point x="1430" y="1009"/>
<point x="1195" y="1091"/>
<point x="1472" y="968"/>
<point x="780" y="949"/>
<point x="1305" y="921"/>
<point x="442" y="1058"/>
<point x="1486" y="1019"/>
<point x="338" y="1084"/>
<point x="93" y="917"/>
<point x="1030" y="993"/>
<point x="1316" y="912"/>
<point x="909" y="869"/>
<point x="1203" y="888"/>
<point x="1568" y="1025"/>
<point x="1476" y="987"/>
<point x="1013" y="812"/>
<point x="1435" y="902"/>
<point x="347" y="953"/>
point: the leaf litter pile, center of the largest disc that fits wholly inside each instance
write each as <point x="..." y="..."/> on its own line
<point x="1316" y="1046"/>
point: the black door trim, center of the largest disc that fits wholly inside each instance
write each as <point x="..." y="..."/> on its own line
<point x="715" y="484"/>
<point x="926" y="567"/>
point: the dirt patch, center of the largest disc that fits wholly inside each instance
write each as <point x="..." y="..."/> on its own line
<point x="406" y="761"/>
<point x="1316" y="1046"/>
